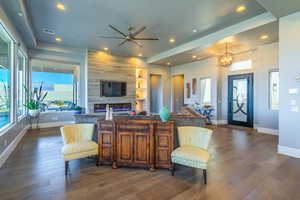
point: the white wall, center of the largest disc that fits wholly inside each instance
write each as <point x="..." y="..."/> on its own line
<point x="289" y="63"/>
<point x="207" y="68"/>
<point x="264" y="59"/>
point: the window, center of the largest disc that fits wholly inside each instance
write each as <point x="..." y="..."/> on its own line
<point x="205" y="91"/>
<point x="60" y="85"/>
<point x="242" y="65"/>
<point x="5" y="78"/>
<point x="21" y="81"/>
<point x="274" y="90"/>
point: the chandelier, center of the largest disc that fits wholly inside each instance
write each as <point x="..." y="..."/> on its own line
<point x="226" y="59"/>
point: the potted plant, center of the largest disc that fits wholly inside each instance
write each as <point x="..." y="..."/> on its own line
<point x="78" y="110"/>
<point x="34" y="100"/>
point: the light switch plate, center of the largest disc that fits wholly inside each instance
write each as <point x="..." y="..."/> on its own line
<point x="293" y="91"/>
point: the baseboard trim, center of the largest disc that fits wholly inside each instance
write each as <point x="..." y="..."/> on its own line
<point x="11" y="147"/>
<point x="53" y="124"/>
<point x="267" y="130"/>
<point x="288" y="151"/>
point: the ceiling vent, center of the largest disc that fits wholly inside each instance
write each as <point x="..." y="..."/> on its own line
<point x="48" y="31"/>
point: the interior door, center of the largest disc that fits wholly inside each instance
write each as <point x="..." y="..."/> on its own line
<point x="178" y="93"/>
<point x="240" y="100"/>
<point x="155" y="93"/>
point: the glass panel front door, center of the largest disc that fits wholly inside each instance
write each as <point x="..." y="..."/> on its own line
<point x="240" y="110"/>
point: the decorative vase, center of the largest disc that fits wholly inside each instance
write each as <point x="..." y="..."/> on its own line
<point x="164" y="114"/>
<point x="77" y="112"/>
<point x="33" y="113"/>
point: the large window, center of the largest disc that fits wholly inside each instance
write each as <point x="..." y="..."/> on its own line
<point x="21" y="81"/>
<point x="241" y="65"/>
<point x="274" y="90"/>
<point x="60" y="86"/>
<point x="205" y="91"/>
<point x="5" y="78"/>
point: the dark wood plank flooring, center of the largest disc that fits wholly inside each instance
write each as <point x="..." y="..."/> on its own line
<point x="244" y="165"/>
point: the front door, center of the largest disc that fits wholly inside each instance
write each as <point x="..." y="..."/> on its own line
<point x="240" y="100"/>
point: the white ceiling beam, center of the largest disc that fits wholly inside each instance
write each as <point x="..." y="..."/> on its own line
<point x="27" y="21"/>
<point x="210" y="39"/>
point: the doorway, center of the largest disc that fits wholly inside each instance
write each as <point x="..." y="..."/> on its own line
<point x="178" y="93"/>
<point x="240" y="100"/>
<point x="156" y="95"/>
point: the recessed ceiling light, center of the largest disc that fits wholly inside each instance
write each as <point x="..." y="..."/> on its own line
<point x="140" y="55"/>
<point x="194" y="56"/>
<point x="168" y="63"/>
<point x="264" y="37"/>
<point x="20" y="14"/>
<point x="240" y="8"/>
<point x="58" y="39"/>
<point x="172" y="40"/>
<point x="105" y="48"/>
<point x="195" y="30"/>
<point x="60" y="6"/>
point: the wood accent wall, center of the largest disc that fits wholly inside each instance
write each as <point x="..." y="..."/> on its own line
<point x="103" y="66"/>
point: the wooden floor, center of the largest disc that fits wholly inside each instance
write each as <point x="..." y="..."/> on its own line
<point x="243" y="165"/>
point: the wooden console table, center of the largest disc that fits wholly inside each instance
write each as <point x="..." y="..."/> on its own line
<point x="146" y="143"/>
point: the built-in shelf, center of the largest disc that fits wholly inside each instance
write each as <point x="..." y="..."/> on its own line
<point x="141" y="90"/>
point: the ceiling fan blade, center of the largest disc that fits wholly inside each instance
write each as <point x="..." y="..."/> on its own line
<point x="123" y="42"/>
<point x="120" y="32"/>
<point x="111" y="37"/>
<point x="139" y="31"/>
<point x="137" y="43"/>
<point x="146" y="38"/>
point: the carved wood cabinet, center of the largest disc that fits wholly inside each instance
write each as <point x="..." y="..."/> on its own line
<point x="136" y="143"/>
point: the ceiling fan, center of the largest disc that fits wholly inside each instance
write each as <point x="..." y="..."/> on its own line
<point x="131" y="36"/>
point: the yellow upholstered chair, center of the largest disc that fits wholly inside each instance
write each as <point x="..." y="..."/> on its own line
<point x="192" y="150"/>
<point x="78" y="142"/>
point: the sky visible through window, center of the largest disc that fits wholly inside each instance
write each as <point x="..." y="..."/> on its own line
<point x="52" y="78"/>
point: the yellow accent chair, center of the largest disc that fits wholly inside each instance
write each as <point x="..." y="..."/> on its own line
<point x="78" y="142"/>
<point x="192" y="150"/>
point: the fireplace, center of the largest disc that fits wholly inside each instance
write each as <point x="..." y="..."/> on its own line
<point x="117" y="107"/>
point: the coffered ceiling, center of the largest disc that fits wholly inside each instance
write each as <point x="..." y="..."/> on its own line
<point x="82" y="21"/>
<point x="242" y="42"/>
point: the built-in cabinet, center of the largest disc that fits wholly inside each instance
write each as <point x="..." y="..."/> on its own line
<point x="136" y="143"/>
